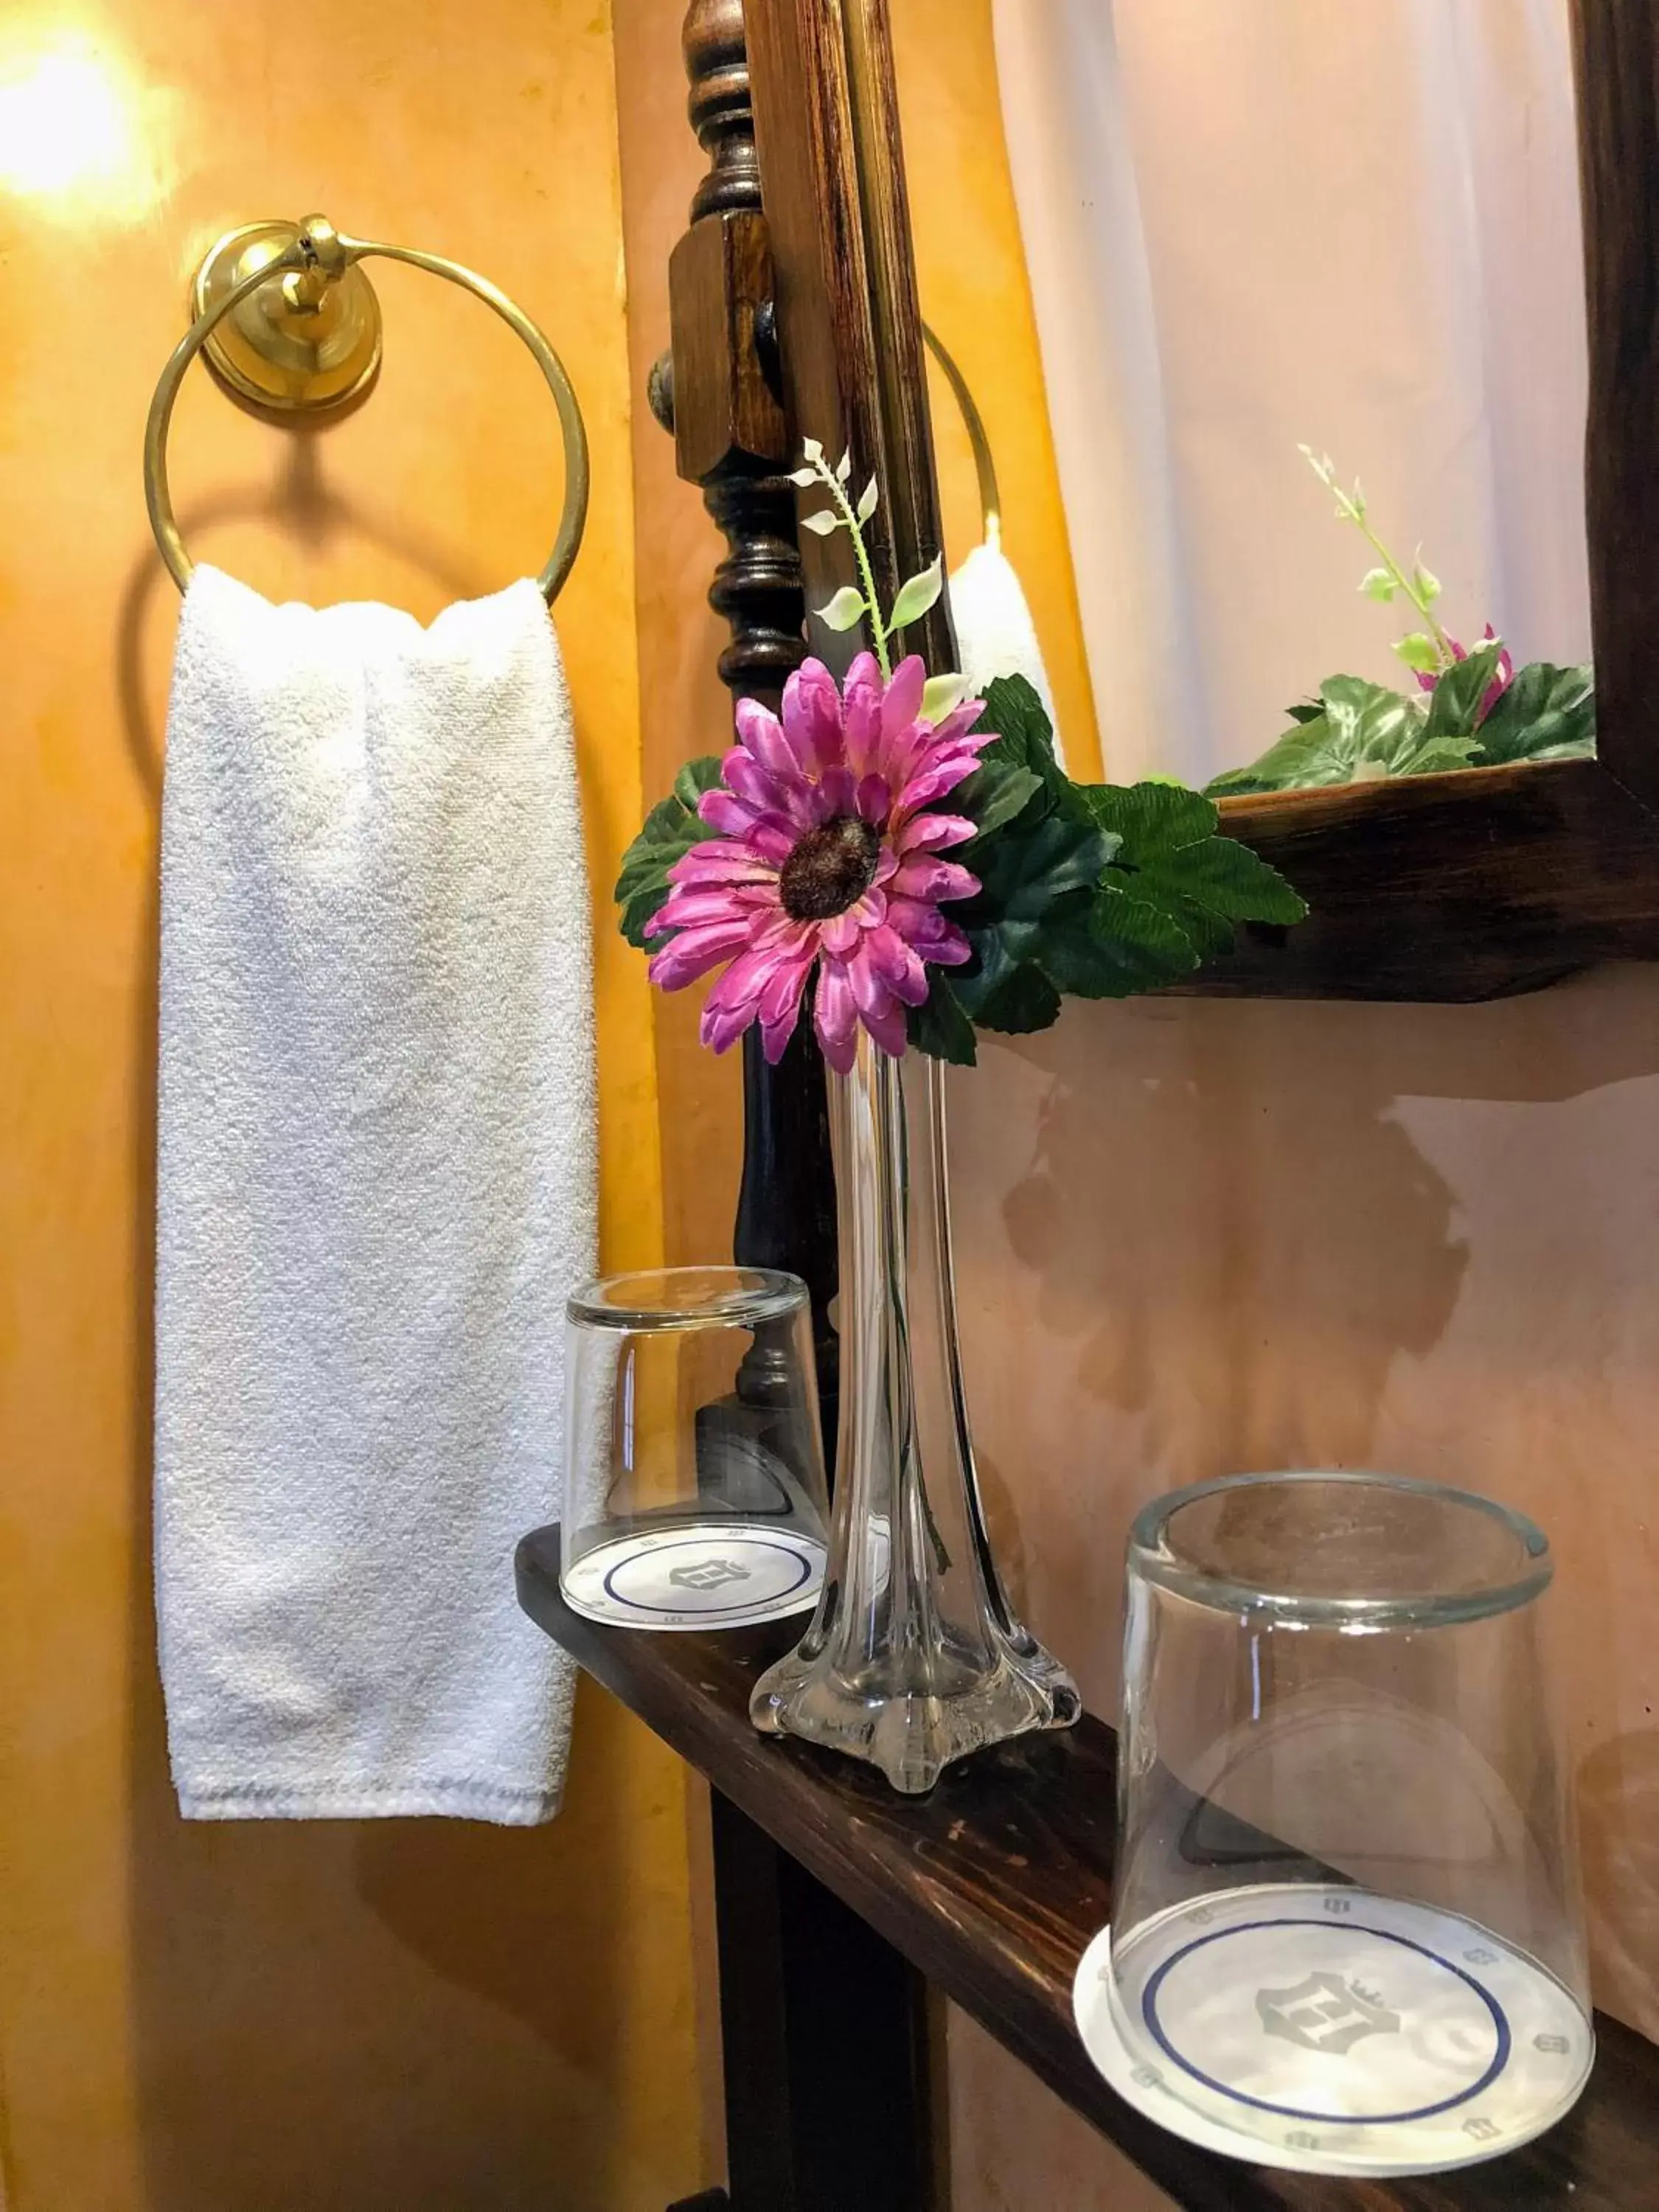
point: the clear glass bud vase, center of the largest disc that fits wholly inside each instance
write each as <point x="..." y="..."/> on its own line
<point x="914" y="1657"/>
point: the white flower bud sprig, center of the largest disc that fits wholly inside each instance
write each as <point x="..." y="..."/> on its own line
<point x="859" y="603"/>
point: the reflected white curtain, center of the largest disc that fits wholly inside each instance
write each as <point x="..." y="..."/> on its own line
<point x="1251" y="223"/>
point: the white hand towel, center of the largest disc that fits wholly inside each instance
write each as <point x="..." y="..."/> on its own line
<point x="377" y="1180"/>
<point x="995" y="634"/>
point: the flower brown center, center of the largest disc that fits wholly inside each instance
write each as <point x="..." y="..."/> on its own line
<point x="830" y="869"/>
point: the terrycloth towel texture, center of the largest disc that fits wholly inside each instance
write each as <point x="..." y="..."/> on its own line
<point x="377" y="1179"/>
<point x="995" y="634"/>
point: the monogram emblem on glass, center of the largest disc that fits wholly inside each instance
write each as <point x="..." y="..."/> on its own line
<point x="1323" y="2012"/>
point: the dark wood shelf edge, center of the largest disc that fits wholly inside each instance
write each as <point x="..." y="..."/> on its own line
<point x="993" y="1887"/>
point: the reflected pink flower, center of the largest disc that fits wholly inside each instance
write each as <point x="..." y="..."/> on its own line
<point x="829" y="856"/>
<point x="1502" y="676"/>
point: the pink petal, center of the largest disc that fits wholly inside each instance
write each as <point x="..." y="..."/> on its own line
<point x="811" y="715"/>
<point x="888" y="1029"/>
<point x="721" y="1026"/>
<point x="836" y="1017"/>
<point x="721" y="860"/>
<point x="762" y="735"/>
<point x="687" y="909"/>
<point x="959" y="721"/>
<point x="933" y="782"/>
<point x="693" y="952"/>
<point x="926" y="928"/>
<point x="898" y="967"/>
<point x="873" y="799"/>
<point x="769" y="836"/>
<point x="765" y="792"/>
<point x="740" y="989"/>
<point x="861" y="715"/>
<point x="837" y="793"/>
<point x="921" y="876"/>
<point x="780" y="1004"/>
<point x="869" y="995"/>
<point x="775" y="1036"/>
<point x="932" y="833"/>
<point x="902" y="703"/>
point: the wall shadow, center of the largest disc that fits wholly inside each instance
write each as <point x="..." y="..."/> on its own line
<point x="1618" y="1814"/>
<point x="300" y="504"/>
<point x="1196" y="1237"/>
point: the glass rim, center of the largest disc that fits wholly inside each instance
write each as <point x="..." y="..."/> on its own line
<point x="1149" y="1557"/>
<point x="737" y="1297"/>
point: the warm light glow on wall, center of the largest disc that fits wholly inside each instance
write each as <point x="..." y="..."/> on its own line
<point x="70" y="128"/>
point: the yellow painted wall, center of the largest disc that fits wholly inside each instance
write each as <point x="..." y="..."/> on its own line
<point x="256" y="2018"/>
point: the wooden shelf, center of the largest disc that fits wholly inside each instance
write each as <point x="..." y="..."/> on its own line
<point x="993" y="1887"/>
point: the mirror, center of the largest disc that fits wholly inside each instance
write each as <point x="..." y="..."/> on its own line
<point x="1169" y="243"/>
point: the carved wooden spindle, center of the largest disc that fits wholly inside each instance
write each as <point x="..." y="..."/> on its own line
<point x="718" y="389"/>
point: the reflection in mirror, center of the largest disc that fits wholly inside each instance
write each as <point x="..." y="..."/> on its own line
<point x="1180" y="249"/>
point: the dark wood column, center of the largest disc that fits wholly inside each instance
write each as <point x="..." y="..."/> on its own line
<point x="720" y="389"/>
<point x="822" y="2022"/>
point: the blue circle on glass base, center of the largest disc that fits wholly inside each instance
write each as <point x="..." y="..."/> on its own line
<point x="701" y="1543"/>
<point x="1500" y="2023"/>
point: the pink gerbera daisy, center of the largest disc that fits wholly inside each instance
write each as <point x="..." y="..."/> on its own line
<point x="829" y="856"/>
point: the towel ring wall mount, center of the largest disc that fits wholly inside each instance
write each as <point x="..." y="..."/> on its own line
<point x="288" y="321"/>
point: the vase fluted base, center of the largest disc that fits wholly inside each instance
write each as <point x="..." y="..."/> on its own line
<point x="912" y="1720"/>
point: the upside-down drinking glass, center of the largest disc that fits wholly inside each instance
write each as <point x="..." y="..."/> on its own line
<point x="694" y="1485"/>
<point x="1347" y="1921"/>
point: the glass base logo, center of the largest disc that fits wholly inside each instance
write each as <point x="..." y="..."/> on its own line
<point x="707" y="1575"/>
<point x="1325" y="2013"/>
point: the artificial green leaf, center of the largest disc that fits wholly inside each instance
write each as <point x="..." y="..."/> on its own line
<point x="940" y="1025"/>
<point x="1545" y="714"/>
<point x="1356" y="722"/>
<point x="917" y="594"/>
<point x="671" y="829"/>
<point x="844" y="610"/>
<point x="1018" y="1001"/>
<point x="1420" y="651"/>
<point x="693" y="780"/>
<point x="868" y="499"/>
<point x="844" y="466"/>
<point x="1369" y="722"/>
<point x="939" y="694"/>
<point x="822" y="524"/>
<point x="803" y="479"/>
<point x="1023" y="872"/>
<point x="1455" y="702"/>
<point x="1306" y="710"/>
<point x="1428" y="584"/>
<point x="1116" y="945"/>
<point x="1026" y="738"/>
<point x="1172" y="858"/>
<point x="996" y="794"/>
<point x="1435" y="756"/>
<point x="811" y="449"/>
<point x="1378" y="584"/>
<point x="1304" y="756"/>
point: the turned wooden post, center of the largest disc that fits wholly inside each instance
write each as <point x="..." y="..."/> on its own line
<point x="719" y="391"/>
<point x="823" y="2025"/>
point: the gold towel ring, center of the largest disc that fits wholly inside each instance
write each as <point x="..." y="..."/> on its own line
<point x="990" y="498"/>
<point x="301" y="276"/>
